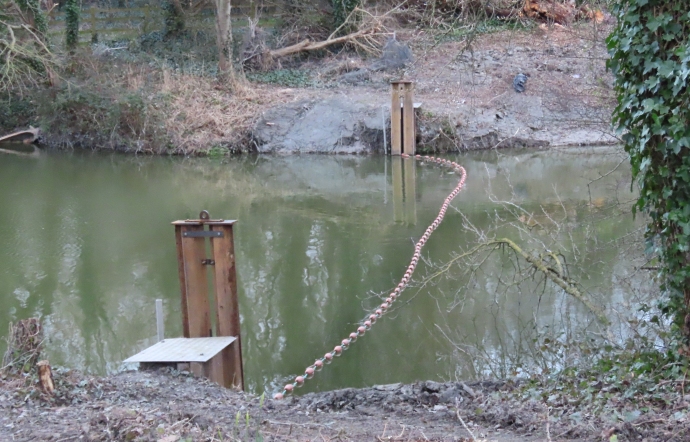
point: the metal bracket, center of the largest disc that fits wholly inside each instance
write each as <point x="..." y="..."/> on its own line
<point x="204" y="217"/>
<point x="203" y="234"/>
<point x="208" y="262"/>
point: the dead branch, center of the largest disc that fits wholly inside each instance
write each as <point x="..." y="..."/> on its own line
<point x="307" y="45"/>
<point x="371" y="28"/>
<point x="23" y="136"/>
<point x="556" y="275"/>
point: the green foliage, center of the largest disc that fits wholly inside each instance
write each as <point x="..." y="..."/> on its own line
<point x="111" y="117"/>
<point x="341" y="9"/>
<point x="72" y="13"/>
<point x="174" y="19"/>
<point x="15" y="112"/>
<point x="634" y="371"/>
<point x="650" y="57"/>
<point x="282" y="77"/>
<point x="217" y="152"/>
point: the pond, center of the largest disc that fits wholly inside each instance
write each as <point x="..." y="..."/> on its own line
<point x="87" y="246"/>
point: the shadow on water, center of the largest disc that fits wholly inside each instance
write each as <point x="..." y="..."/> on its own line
<point x="88" y="246"/>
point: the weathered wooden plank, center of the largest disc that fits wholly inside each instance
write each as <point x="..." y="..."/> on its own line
<point x="160" y="323"/>
<point x="409" y="136"/>
<point x="396" y="120"/>
<point x="195" y="274"/>
<point x="183" y="283"/>
<point x="227" y="304"/>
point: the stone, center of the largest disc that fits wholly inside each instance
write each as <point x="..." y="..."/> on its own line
<point x="332" y="125"/>
<point x="394" y="55"/>
<point x="388" y="387"/>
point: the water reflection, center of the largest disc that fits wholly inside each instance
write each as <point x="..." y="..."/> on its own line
<point x="87" y="245"/>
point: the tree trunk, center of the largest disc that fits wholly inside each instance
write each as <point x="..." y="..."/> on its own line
<point x="72" y="13"/>
<point x="224" y="40"/>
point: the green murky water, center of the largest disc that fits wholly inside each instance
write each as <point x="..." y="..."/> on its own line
<point x="86" y="244"/>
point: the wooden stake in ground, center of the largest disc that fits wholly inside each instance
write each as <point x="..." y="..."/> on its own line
<point x="45" y="375"/>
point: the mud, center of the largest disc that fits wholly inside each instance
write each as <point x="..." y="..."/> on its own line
<point x="169" y="406"/>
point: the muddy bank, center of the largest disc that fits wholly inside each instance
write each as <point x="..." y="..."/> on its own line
<point x="342" y="102"/>
<point x="172" y="406"/>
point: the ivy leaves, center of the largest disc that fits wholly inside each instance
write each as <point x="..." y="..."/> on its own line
<point x="650" y="57"/>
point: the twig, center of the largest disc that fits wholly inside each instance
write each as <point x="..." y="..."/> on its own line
<point x="457" y="412"/>
<point x="548" y="426"/>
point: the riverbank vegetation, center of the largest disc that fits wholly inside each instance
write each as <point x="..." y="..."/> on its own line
<point x="172" y="91"/>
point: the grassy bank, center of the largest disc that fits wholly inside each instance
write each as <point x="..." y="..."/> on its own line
<point x="161" y="98"/>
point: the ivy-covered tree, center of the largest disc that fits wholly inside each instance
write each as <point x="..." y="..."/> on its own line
<point x="342" y="9"/>
<point x="174" y="17"/>
<point x="650" y="57"/>
<point x="72" y="14"/>
<point x="34" y="16"/>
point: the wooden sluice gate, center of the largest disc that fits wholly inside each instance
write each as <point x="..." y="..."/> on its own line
<point x="403" y="130"/>
<point x="217" y="356"/>
<point x="403" y="141"/>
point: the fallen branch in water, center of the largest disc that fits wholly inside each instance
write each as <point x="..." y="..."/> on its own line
<point x="27" y="136"/>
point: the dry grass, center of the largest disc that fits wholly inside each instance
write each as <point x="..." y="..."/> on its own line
<point x="203" y="114"/>
<point x="138" y="106"/>
<point x="24" y="345"/>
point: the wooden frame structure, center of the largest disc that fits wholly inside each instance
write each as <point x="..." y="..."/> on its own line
<point x="402" y="118"/>
<point x="193" y="266"/>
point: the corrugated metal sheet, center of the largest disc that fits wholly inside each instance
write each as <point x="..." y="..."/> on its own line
<point x="183" y="350"/>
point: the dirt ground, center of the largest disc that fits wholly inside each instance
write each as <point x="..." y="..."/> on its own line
<point x="466" y="83"/>
<point x="169" y="406"/>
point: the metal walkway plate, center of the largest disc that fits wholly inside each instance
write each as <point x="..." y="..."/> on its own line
<point x="183" y="350"/>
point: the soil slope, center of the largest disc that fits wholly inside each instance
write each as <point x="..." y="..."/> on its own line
<point x="168" y="407"/>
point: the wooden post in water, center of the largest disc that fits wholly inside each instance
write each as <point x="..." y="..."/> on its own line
<point x="193" y="266"/>
<point x="402" y="118"/>
<point x="160" y="324"/>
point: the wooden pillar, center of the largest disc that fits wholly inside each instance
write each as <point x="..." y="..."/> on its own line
<point x="227" y="306"/>
<point x="396" y="120"/>
<point x="193" y="266"/>
<point x="409" y="137"/>
<point x="402" y="118"/>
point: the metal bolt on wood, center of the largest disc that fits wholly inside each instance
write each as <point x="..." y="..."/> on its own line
<point x="381" y="310"/>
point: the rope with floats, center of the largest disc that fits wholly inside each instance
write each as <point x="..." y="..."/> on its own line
<point x="369" y="321"/>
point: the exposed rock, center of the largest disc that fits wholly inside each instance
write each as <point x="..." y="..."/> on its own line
<point x="395" y="55"/>
<point x="333" y="125"/>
